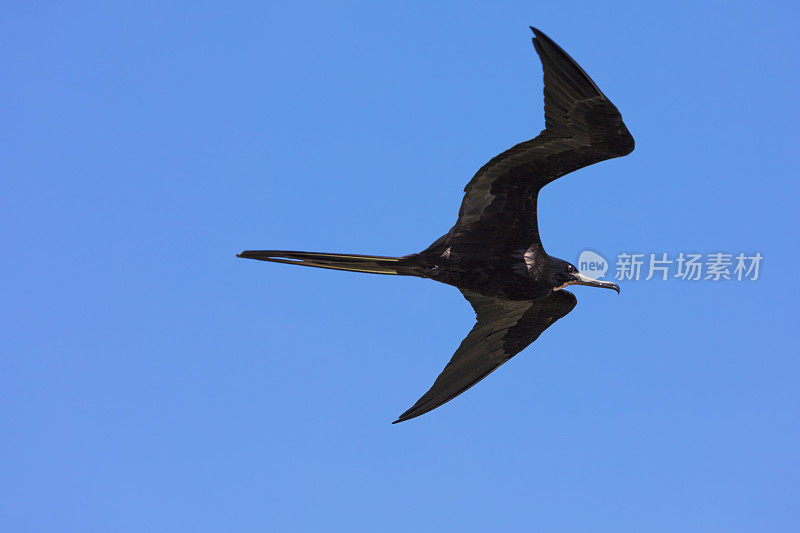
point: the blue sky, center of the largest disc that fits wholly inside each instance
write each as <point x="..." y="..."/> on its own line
<point x="151" y="381"/>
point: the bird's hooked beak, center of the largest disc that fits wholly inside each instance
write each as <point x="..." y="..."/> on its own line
<point x="582" y="279"/>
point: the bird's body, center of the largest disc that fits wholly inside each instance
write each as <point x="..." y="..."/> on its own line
<point x="493" y="253"/>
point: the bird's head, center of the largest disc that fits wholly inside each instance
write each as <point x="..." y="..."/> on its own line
<point x="563" y="274"/>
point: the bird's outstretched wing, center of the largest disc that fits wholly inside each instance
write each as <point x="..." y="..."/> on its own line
<point x="503" y="329"/>
<point x="582" y="127"/>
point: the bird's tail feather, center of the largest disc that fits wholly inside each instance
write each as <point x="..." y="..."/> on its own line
<point x="372" y="264"/>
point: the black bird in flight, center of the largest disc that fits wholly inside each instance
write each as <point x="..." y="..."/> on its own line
<point x="493" y="253"/>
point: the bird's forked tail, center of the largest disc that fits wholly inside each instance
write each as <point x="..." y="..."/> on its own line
<point x="372" y="264"/>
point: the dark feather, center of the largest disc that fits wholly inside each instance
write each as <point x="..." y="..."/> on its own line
<point x="582" y="127"/>
<point x="503" y="329"/>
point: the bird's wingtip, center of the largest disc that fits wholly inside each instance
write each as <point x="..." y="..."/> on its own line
<point x="402" y="418"/>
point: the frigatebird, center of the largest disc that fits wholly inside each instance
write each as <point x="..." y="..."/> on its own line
<point x="493" y="253"/>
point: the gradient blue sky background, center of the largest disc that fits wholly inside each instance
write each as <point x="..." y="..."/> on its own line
<point x="151" y="381"/>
